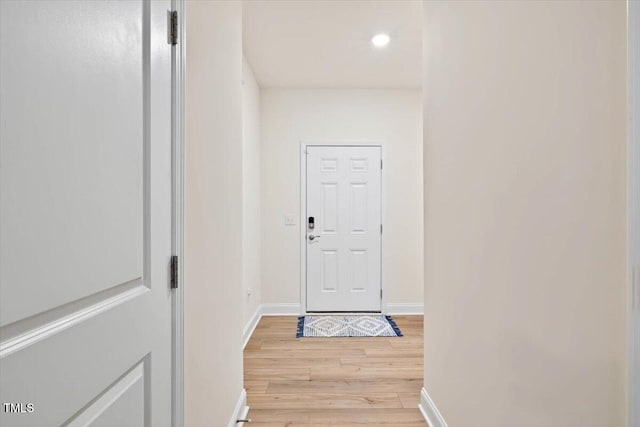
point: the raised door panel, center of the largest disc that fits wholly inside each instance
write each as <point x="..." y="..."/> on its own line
<point x="358" y="214"/>
<point x="71" y="175"/>
<point x="359" y="269"/>
<point x="122" y="404"/>
<point x="329" y="271"/>
<point x="328" y="221"/>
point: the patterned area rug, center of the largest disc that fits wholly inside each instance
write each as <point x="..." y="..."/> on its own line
<point x="347" y="326"/>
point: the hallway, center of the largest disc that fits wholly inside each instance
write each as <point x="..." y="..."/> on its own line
<point x="325" y="382"/>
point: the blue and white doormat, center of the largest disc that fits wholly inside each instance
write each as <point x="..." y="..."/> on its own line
<point x="347" y="326"/>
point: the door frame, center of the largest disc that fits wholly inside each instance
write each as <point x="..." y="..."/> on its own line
<point x="178" y="85"/>
<point x="633" y="212"/>
<point x="303" y="211"/>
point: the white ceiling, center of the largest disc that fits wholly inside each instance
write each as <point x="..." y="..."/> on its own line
<point x="327" y="43"/>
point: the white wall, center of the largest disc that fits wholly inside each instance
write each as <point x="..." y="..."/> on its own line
<point x="251" y="238"/>
<point x="525" y="212"/>
<point x="213" y="217"/>
<point x="392" y="116"/>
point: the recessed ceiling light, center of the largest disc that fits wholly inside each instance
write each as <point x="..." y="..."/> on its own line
<point x="380" y="40"/>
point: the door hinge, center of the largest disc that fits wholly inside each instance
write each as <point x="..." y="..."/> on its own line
<point x="380" y="293"/>
<point x="174" y="272"/>
<point x="380" y="228"/>
<point x="172" y="27"/>
<point x="380" y="163"/>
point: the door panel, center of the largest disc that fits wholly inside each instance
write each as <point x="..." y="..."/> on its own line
<point x="45" y="129"/>
<point x="359" y="280"/>
<point x="359" y="208"/>
<point x="85" y="213"/>
<point x="329" y="271"/>
<point x="343" y="261"/>
<point x="122" y="404"/>
<point x="329" y="205"/>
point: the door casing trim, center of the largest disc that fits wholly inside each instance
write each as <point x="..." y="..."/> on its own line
<point x="178" y="85"/>
<point x="303" y="211"/>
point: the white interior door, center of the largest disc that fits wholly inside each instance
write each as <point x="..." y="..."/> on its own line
<point x="85" y="313"/>
<point x="344" y="242"/>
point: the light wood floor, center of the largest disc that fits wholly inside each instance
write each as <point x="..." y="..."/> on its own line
<point x="321" y="382"/>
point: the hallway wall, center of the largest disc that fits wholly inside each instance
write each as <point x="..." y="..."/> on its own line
<point x="391" y="116"/>
<point x="213" y="214"/>
<point x="525" y="212"/>
<point x="251" y="210"/>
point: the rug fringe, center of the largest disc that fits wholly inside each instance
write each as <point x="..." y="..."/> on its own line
<point x="394" y="326"/>
<point x="300" y="331"/>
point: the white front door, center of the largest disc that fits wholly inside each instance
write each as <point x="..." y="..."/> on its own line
<point x="85" y="308"/>
<point x="343" y="222"/>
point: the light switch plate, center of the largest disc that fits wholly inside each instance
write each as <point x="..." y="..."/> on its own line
<point x="289" y="219"/>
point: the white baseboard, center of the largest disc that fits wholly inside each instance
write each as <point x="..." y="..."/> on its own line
<point x="405" y="308"/>
<point x="241" y="411"/>
<point x="251" y="326"/>
<point x="281" y="309"/>
<point x="429" y="411"/>
<point x="293" y="309"/>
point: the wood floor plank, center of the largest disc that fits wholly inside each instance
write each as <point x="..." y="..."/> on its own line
<point x="282" y="373"/>
<point x="256" y="386"/>
<point x="356" y="372"/>
<point x="409" y="400"/>
<point x="382" y="362"/>
<point x="310" y="353"/>
<point x="299" y="362"/>
<point x="333" y="382"/>
<point x="393" y="352"/>
<point x="410" y="386"/>
<point x="324" y="345"/>
<point x="324" y="400"/>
